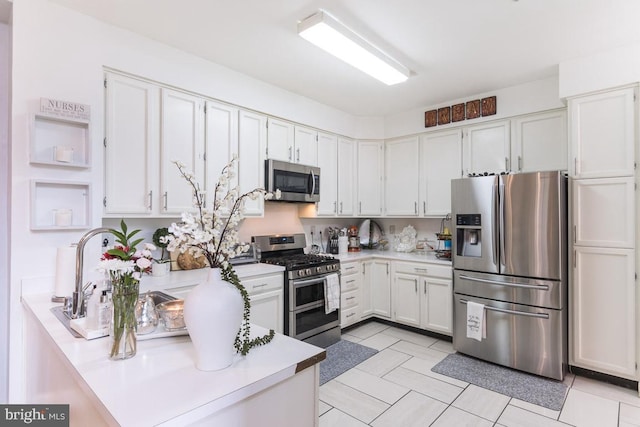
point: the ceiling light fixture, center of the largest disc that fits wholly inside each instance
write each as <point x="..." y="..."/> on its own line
<point x="329" y="34"/>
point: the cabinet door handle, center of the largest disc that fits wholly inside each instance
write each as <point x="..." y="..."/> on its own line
<point x="165" y="200"/>
<point x="415" y="207"/>
<point x="335" y="207"/>
<point x="425" y="288"/>
<point x="506" y="164"/>
<point x="424" y="270"/>
<point x="350" y="298"/>
<point x="575" y="166"/>
<point x="351" y="281"/>
<point x="151" y="200"/>
<point x="290" y="153"/>
<point x="340" y="207"/>
<point x="350" y="315"/>
<point x="360" y="207"/>
<point x="415" y="283"/>
<point x="424" y="207"/>
<point x="520" y="163"/>
<point x="575" y="234"/>
<point x="298" y="155"/>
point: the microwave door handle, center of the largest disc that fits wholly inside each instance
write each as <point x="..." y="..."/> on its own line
<point x="312" y="184"/>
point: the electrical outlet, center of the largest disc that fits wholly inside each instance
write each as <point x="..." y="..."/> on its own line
<point x="392" y="229"/>
<point x="313" y="229"/>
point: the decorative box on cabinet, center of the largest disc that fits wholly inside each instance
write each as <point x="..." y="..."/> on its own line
<point x="60" y="141"/>
<point x="60" y="205"/>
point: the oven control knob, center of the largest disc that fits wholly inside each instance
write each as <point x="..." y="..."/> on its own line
<point x="307" y="271"/>
<point x="318" y="269"/>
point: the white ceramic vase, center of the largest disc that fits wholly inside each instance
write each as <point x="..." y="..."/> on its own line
<point x="213" y="315"/>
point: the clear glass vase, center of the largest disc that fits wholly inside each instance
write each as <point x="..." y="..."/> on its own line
<point x="122" y="331"/>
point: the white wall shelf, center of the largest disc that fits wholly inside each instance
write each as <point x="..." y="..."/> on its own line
<point x="60" y="141"/>
<point x="60" y="205"/>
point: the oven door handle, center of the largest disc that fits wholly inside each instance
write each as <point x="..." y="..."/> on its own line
<point x="297" y="283"/>
<point x="513" y="285"/>
<point x="516" y="312"/>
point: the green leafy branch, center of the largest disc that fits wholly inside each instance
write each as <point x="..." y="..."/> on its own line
<point x="243" y="342"/>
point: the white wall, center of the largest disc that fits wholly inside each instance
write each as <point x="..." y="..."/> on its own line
<point x="616" y="67"/>
<point x="60" y="54"/>
<point x="526" y="98"/>
<point x="5" y="178"/>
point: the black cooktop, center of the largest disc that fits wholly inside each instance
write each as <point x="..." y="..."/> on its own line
<point x="294" y="261"/>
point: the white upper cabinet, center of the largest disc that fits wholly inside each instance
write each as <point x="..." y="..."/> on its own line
<point x="539" y="142"/>
<point x="280" y="136"/>
<point x="182" y="139"/>
<point x="602" y="134"/>
<point x="305" y="149"/>
<point x="440" y="162"/>
<point x="291" y="143"/>
<point x="401" y="177"/>
<point x="131" y="145"/>
<point x="370" y="174"/>
<point x="486" y="148"/>
<point x="604" y="212"/>
<point x="252" y="136"/>
<point x="328" y="163"/>
<point x="221" y="142"/>
<point x="347" y="166"/>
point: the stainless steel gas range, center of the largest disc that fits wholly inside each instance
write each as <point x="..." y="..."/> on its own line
<point x="305" y="286"/>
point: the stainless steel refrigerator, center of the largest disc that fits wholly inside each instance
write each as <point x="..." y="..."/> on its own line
<point x="509" y="252"/>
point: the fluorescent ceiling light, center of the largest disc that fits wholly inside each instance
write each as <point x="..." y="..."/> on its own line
<point x="329" y="34"/>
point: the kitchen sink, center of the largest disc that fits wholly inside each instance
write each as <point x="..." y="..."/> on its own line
<point x="64" y="316"/>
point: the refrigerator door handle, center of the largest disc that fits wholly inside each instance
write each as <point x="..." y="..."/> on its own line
<point x="495" y="225"/>
<point x="516" y="312"/>
<point x="501" y="197"/>
<point x="513" y="285"/>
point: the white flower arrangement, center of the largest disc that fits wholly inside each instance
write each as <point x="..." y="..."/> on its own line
<point x="213" y="233"/>
<point x="125" y="258"/>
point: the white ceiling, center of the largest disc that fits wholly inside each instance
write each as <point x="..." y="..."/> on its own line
<point x="456" y="48"/>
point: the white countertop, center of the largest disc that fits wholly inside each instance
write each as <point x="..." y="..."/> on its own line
<point x="161" y="384"/>
<point x="429" y="257"/>
<point x="187" y="278"/>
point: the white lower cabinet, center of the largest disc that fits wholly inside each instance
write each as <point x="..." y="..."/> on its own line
<point x="376" y="289"/>
<point x="351" y="293"/>
<point x="266" y="294"/>
<point x="422" y="296"/>
<point x="406" y="307"/>
<point x="603" y="297"/>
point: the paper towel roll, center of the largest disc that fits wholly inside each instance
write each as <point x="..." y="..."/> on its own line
<point x="343" y="245"/>
<point x="65" y="271"/>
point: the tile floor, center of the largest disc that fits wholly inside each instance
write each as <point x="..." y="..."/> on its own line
<point x="396" y="388"/>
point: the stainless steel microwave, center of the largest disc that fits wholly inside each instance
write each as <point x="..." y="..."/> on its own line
<point x="296" y="182"/>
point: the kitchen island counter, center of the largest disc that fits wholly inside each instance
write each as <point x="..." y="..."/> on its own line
<point x="160" y="385"/>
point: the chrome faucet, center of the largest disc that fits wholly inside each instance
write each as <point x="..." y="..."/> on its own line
<point x="77" y="308"/>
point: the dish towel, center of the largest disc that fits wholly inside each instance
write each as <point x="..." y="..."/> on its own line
<point x="476" y="323"/>
<point x="331" y="293"/>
